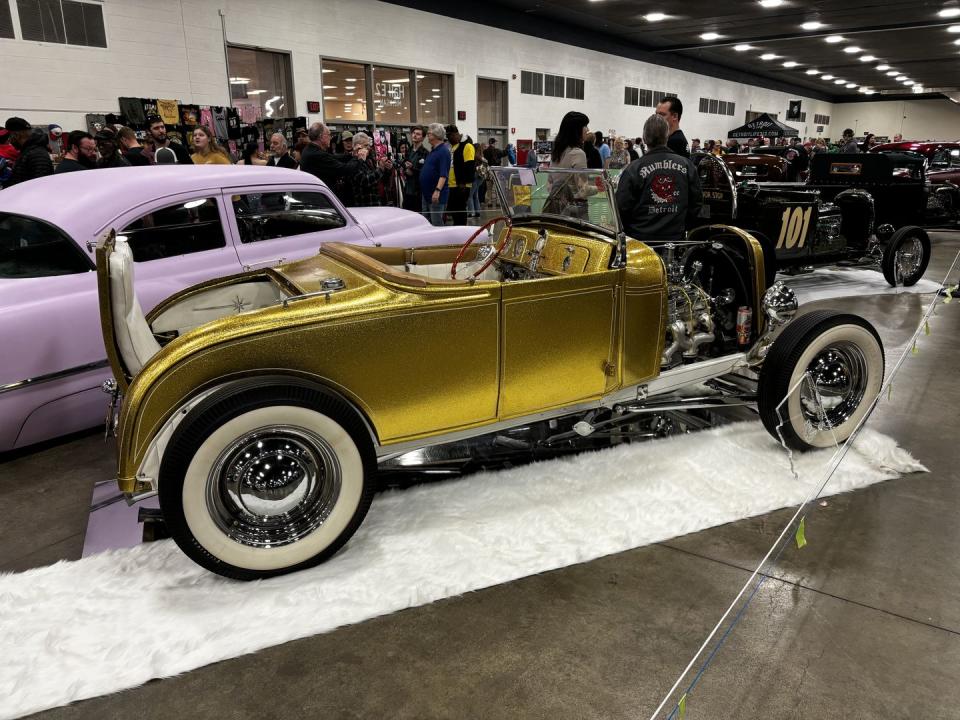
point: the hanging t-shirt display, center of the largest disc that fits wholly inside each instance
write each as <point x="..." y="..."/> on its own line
<point x="150" y="108"/>
<point x="206" y="118"/>
<point x="95" y="123"/>
<point x="220" y="123"/>
<point x="132" y="111"/>
<point x="249" y="114"/>
<point x="169" y="111"/>
<point x="233" y="124"/>
<point x="190" y="115"/>
<point x="249" y="134"/>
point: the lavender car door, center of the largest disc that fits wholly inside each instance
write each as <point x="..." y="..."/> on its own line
<point x="273" y="224"/>
<point x="52" y="360"/>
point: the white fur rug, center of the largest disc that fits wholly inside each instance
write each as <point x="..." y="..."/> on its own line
<point x="826" y="283"/>
<point x="113" y="621"/>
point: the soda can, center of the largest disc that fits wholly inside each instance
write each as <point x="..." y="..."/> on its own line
<point x="744" y="325"/>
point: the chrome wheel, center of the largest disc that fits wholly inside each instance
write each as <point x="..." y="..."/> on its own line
<point x="909" y="257"/>
<point x="273" y="486"/>
<point x="837" y="381"/>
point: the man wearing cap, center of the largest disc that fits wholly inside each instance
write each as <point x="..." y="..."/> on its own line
<point x="462" y="174"/>
<point x="109" y="148"/>
<point x="34" y="160"/>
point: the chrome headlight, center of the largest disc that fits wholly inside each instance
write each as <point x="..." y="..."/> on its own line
<point x="779" y="303"/>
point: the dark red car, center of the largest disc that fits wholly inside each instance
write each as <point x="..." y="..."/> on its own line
<point x="943" y="158"/>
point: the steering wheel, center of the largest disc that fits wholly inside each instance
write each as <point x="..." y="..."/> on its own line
<point x="493" y="255"/>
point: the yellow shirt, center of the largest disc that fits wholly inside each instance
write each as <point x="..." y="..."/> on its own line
<point x="213" y="158"/>
<point x="469" y="153"/>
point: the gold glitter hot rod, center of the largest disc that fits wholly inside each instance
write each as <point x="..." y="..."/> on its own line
<point x="260" y="406"/>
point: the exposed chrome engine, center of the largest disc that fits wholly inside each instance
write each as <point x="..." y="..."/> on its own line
<point x="698" y="317"/>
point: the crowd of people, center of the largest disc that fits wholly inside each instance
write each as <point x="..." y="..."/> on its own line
<point x="435" y="170"/>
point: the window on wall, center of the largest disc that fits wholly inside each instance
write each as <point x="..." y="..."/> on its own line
<point x="59" y="21"/>
<point x="491" y="103"/>
<point x="717" y="107"/>
<point x="553" y="85"/>
<point x="631" y="96"/>
<point x="574" y="89"/>
<point x="391" y="94"/>
<point x="345" y="91"/>
<point x="260" y="84"/>
<point x="435" y="90"/>
<point x="821" y="119"/>
<point x="531" y="83"/>
<point x="6" y="20"/>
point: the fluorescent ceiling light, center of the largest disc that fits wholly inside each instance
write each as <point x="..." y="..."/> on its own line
<point x="239" y="81"/>
<point x="770" y="3"/>
<point x="900" y="78"/>
<point x="330" y="97"/>
<point x="852" y="49"/>
<point x="350" y="79"/>
<point x="769" y="56"/>
<point x="812" y="25"/>
<point x="956" y="42"/>
<point x="850" y="85"/>
<point x="883" y="67"/>
<point x="655" y="16"/>
<point x="330" y="87"/>
<point x="420" y="77"/>
<point x="255" y="92"/>
<point x="742" y="47"/>
<point x="949" y="12"/>
<point x="827" y="77"/>
<point x="327" y="70"/>
<point x="892" y="73"/>
<point x="908" y="83"/>
<point x="954" y="29"/>
<point x="834" y="38"/>
<point x="398" y="80"/>
<point x="811" y="71"/>
<point x="839" y="82"/>
<point x="790" y="64"/>
<point x="710" y="36"/>
<point x="869" y="92"/>
<point x="867" y="58"/>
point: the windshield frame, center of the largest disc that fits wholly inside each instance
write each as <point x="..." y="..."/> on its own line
<point x="613" y="233"/>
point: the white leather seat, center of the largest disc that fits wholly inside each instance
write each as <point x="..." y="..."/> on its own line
<point x="135" y="341"/>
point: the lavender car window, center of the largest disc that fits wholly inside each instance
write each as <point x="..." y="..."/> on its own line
<point x="265" y="216"/>
<point x="31" y="248"/>
<point x="187" y="227"/>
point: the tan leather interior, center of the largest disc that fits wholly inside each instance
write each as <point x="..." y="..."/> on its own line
<point x="360" y="258"/>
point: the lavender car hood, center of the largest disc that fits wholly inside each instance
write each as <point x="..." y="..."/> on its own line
<point x="403" y="228"/>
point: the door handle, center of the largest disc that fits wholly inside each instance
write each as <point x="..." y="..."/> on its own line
<point x="264" y="263"/>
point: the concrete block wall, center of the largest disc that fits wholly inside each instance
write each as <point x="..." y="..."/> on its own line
<point x="175" y="50"/>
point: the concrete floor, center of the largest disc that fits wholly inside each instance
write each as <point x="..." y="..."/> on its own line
<point x="863" y="623"/>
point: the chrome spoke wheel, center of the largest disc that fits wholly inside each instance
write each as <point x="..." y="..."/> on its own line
<point x="909" y="257"/>
<point x="837" y="383"/>
<point x="273" y="486"/>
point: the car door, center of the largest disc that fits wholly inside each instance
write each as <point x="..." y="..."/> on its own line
<point x="558" y="341"/>
<point x="178" y="241"/>
<point x="273" y="224"/>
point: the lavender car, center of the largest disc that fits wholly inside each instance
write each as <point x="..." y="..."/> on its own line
<point x="184" y="225"/>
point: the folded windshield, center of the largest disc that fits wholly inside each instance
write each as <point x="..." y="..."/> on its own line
<point x="583" y="195"/>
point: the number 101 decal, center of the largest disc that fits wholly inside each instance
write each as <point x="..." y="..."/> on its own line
<point x="793" y="227"/>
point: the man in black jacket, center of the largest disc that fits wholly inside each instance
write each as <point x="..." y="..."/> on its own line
<point x="34" y="160"/>
<point x="660" y="193"/>
<point x="317" y="159"/>
<point x="158" y="131"/>
<point x="671" y="110"/>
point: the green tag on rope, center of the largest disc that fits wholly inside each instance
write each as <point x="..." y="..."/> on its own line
<point x="682" y="706"/>
<point x="950" y="294"/>
<point x="926" y="327"/>
<point x="801" y="536"/>
<point x="915" y="350"/>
